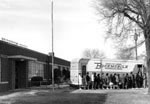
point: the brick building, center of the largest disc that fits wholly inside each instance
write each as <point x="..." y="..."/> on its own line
<point x="19" y="64"/>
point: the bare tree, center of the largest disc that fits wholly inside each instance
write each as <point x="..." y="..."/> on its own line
<point x="93" y="53"/>
<point x="124" y="16"/>
<point x="125" y="53"/>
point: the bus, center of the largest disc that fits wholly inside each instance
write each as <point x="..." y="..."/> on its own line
<point x="104" y="66"/>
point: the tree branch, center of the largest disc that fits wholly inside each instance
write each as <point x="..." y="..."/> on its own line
<point x="134" y="20"/>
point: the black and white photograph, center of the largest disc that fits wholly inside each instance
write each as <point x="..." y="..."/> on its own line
<point x="74" y="51"/>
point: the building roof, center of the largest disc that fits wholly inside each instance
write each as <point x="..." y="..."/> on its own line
<point x="14" y="51"/>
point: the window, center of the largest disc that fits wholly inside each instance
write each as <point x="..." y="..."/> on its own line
<point x="36" y="69"/>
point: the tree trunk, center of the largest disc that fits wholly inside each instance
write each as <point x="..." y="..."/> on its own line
<point x="147" y="44"/>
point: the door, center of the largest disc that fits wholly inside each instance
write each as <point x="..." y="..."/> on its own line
<point x="20" y="74"/>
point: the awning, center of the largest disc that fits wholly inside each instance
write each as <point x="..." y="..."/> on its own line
<point x="22" y="57"/>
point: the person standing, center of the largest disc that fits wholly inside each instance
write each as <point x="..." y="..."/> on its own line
<point x="144" y="80"/>
<point x="92" y="80"/>
<point x="133" y="80"/>
<point x="84" y="82"/>
<point x="137" y="80"/>
<point x="110" y="81"/>
<point x="141" y="79"/>
<point x="102" y="80"/>
<point x="88" y="80"/>
<point x="107" y="80"/>
<point x="117" y="80"/>
<point x="129" y="81"/>
<point x="98" y="81"/>
<point x="119" y="84"/>
<point x="95" y="81"/>
<point x="122" y="81"/>
<point x="110" y="78"/>
<point x="80" y="81"/>
<point x="114" y="80"/>
<point x="126" y="81"/>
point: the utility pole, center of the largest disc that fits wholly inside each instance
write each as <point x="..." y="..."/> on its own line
<point x="52" y="45"/>
<point x="135" y="38"/>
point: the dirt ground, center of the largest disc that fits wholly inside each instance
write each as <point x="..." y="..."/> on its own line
<point x="75" y="96"/>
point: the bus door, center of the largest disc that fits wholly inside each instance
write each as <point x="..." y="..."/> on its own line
<point x="83" y="70"/>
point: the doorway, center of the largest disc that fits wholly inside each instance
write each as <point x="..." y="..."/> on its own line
<point x="83" y="70"/>
<point x="20" y="74"/>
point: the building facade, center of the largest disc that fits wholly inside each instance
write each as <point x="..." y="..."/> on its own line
<point x="19" y="64"/>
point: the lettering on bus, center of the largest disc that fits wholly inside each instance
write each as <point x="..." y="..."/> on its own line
<point x="116" y="66"/>
<point x="98" y="65"/>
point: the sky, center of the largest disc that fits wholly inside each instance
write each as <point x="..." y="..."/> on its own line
<point x="76" y="26"/>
